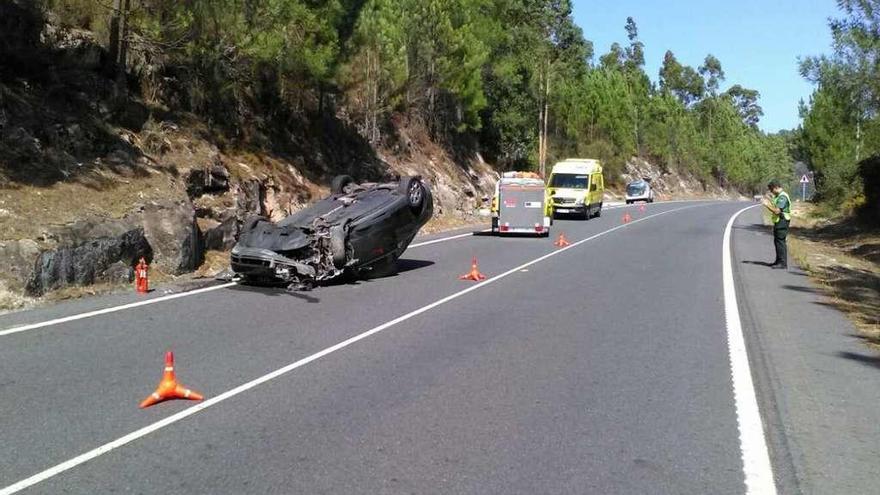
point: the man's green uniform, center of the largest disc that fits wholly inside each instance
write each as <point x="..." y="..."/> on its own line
<point x="780" y="227"/>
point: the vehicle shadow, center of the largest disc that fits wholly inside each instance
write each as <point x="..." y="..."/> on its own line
<point x="275" y="291"/>
<point x="406" y="265"/>
<point x="509" y="234"/>
<point x="403" y="265"/>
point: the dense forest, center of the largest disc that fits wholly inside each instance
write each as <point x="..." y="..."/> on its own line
<point x="840" y="134"/>
<point x="517" y="80"/>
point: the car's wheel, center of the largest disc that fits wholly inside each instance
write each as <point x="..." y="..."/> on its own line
<point x="339" y="183"/>
<point x="337" y="245"/>
<point x="414" y="190"/>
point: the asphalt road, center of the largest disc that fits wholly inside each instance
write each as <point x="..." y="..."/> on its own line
<point x="601" y="369"/>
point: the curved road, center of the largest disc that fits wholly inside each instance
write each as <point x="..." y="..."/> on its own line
<point x="603" y="368"/>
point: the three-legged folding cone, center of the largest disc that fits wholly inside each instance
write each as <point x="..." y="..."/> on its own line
<point x="561" y="241"/>
<point x="627" y="217"/>
<point x="169" y="388"/>
<point x="474" y="274"/>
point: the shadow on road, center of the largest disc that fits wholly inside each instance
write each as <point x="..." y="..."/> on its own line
<point x="802" y="288"/>
<point x="755" y="227"/>
<point x="406" y="265"/>
<point x="861" y="358"/>
<point x="275" y="291"/>
<point x="755" y="262"/>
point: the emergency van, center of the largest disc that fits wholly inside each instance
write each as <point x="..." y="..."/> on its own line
<point x="576" y="186"/>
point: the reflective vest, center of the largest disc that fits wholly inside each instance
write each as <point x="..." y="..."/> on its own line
<point x="786" y="212"/>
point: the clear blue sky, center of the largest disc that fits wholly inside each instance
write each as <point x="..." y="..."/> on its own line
<point x="757" y="41"/>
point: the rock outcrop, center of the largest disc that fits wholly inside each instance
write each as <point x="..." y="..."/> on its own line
<point x="107" y="255"/>
<point x="171" y="230"/>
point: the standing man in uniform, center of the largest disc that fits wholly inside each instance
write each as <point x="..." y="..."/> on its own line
<point x="779" y="205"/>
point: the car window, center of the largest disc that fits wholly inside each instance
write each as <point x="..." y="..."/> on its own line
<point x="636" y="188"/>
<point x="572" y="181"/>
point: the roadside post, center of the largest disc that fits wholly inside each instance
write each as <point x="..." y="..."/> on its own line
<point x="804" y="181"/>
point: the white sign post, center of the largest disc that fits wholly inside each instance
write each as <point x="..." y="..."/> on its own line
<point x="804" y="181"/>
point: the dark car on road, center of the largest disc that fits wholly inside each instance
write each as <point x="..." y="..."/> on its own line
<point x="361" y="229"/>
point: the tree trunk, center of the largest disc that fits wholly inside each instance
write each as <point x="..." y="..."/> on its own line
<point x="544" y="124"/>
<point x="858" y="140"/>
<point x="123" y="51"/>
<point x="113" y="45"/>
<point x="540" y="127"/>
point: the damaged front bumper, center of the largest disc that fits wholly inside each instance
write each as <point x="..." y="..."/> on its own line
<point x="267" y="264"/>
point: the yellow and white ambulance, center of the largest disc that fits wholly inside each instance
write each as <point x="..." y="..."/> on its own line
<point x="576" y="187"/>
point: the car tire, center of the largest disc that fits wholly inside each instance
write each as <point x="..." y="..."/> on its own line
<point x="414" y="191"/>
<point x="337" y="186"/>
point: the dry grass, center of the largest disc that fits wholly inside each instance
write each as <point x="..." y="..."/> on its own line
<point x="26" y="211"/>
<point x="844" y="259"/>
<point x="215" y="262"/>
<point x="10" y="301"/>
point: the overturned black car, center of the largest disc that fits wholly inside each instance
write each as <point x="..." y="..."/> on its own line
<point x="360" y="229"/>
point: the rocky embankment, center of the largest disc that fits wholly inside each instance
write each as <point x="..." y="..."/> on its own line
<point x="670" y="184"/>
<point x="174" y="233"/>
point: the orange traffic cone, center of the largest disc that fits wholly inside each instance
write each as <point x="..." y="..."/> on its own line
<point x="642" y="208"/>
<point x="561" y="241"/>
<point x="474" y="274"/>
<point x="169" y="388"/>
<point x="627" y="217"/>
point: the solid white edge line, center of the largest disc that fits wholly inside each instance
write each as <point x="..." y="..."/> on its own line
<point x="112" y="309"/>
<point x="119" y="442"/>
<point x="757" y="468"/>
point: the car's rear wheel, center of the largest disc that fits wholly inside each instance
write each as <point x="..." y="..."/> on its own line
<point x="414" y="190"/>
<point x="339" y="183"/>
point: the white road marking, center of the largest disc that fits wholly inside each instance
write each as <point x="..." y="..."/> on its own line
<point x="753" y="445"/>
<point x="174" y="418"/>
<point x="443" y="239"/>
<point x="113" y="309"/>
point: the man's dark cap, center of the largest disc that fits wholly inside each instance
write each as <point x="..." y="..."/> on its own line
<point x="774" y="183"/>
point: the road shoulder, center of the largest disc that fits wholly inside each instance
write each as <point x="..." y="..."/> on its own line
<point x="816" y="381"/>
